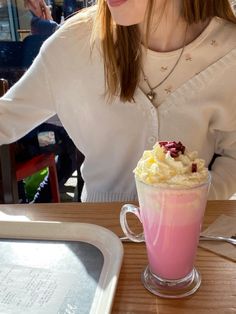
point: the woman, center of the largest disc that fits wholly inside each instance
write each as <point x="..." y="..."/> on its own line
<point x="156" y="70"/>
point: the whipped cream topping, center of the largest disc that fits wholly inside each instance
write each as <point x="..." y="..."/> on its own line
<point x="160" y="166"/>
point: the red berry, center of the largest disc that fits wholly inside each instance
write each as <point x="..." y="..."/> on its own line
<point x="194" y="167"/>
<point x="174" y="148"/>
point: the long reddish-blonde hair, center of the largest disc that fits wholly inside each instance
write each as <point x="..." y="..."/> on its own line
<point x="121" y="45"/>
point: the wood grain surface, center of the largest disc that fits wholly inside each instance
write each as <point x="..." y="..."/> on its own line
<point x="217" y="293"/>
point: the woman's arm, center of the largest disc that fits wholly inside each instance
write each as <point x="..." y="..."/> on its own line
<point x="224" y="167"/>
<point x="27" y="104"/>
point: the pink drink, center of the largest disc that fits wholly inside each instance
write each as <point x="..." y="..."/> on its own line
<point x="171" y="219"/>
<point x="172" y="185"/>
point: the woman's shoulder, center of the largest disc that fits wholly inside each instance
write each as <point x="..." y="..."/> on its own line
<point x="81" y="21"/>
<point x="77" y="29"/>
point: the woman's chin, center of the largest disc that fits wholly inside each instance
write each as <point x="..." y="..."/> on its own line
<point x="126" y="22"/>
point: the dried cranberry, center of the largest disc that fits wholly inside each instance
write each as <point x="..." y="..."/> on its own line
<point x="194" y="167"/>
<point x="162" y="143"/>
<point x="174" y="148"/>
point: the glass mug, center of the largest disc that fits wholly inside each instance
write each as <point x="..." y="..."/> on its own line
<point x="171" y="219"/>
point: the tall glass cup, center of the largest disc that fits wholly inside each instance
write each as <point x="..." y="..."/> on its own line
<point x="171" y="219"/>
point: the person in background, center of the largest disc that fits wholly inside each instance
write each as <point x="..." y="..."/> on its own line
<point x="42" y="22"/>
<point x="125" y="74"/>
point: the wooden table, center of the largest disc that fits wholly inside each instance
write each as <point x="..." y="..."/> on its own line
<point x="217" y="293"/>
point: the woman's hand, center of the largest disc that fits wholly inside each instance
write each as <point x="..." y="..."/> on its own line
<point x="39" y="8"/>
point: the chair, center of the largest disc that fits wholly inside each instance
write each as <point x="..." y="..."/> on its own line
<point x="8" y="183"/>
<point x="13" y="171"/>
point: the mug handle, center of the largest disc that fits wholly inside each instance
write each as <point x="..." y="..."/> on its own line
<point x="129" y="208"/>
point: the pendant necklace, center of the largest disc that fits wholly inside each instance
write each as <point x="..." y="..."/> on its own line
<point x="151" y="94"/>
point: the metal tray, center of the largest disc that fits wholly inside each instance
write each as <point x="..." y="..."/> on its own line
<point x="53" y="267"/>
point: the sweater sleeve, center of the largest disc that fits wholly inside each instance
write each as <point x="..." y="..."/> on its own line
<point x="224" y="167"/>
<point x="27" y="104"/>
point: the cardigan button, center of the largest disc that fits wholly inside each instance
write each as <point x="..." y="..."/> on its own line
<point x="152" y="140"/>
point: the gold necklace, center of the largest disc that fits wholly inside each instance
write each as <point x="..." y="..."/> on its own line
<point x="151" y="95"/>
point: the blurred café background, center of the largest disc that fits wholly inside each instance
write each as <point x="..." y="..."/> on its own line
<point x="44" y="166"/>
<point x="15" y="18"/>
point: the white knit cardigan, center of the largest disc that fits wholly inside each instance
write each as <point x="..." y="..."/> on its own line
<point x="68" y="80"/>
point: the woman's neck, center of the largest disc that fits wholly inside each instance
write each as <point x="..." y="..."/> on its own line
<point x="168" y="28"/>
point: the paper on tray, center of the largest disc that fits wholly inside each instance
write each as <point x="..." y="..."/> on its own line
<point x="29" y="290"/>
